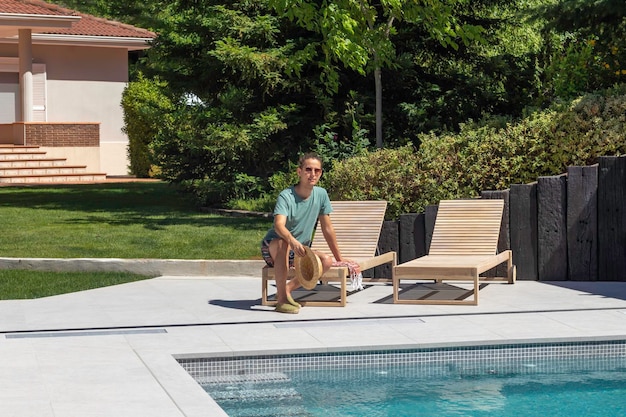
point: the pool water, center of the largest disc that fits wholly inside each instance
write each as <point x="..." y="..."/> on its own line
<point x="397" y="391"/>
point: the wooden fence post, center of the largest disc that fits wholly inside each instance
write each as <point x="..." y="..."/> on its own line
<point x="582" y="223"/>
<point x="412" y="237"/>
<point x="611" y="218"/>
<point x="552" y="228"/>
<point x="388" y="241"/>
<point x="430" y="215"/>
<point x="523" y="219"/>
<point x="504" y="238"/>
<point x="569" y="226"/>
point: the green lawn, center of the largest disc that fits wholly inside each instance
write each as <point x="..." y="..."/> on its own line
<point x="121" y="220"/>
<point x="113" y="220"/>
<point x="23" y="284"/>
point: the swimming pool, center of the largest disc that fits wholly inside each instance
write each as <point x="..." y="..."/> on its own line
<point x="555" y="379"/>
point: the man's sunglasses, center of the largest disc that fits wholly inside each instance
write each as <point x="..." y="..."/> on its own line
<point x="317" y="171"/>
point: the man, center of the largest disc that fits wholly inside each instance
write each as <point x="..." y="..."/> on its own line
<point x="296" y="212"/>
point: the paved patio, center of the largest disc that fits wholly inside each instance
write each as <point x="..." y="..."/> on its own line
<point x="111" y="352"/>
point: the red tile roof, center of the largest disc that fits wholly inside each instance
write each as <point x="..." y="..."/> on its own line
<point x="33" y="7"/>
<point x="87" y="25"/>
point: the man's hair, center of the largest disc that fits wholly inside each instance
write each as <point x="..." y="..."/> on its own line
<point x="309" y="155"/>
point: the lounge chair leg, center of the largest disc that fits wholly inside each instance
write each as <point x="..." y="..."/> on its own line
<point x="476" y="289"/>
<point x="344" y="292"/>
<point x="263" y="291"/>
<point x="396" y="285"/>
<point x="512" y="271"/>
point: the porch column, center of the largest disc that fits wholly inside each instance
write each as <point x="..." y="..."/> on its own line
<point x="25" y="53"/>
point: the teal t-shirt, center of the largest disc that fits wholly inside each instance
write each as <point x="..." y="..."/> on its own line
<point x="301" y="214"/>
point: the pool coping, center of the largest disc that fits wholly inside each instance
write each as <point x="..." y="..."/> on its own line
<point x="413" y="346"/>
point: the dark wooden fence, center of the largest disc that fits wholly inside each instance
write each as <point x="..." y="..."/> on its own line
<point x="564" y="227"/>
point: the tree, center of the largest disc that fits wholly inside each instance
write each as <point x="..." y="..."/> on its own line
<point x="220" y="61"/>
<point x="358" y="33"/>
<point x="144" y="14"/>
<point x="437" y="88"/>
<point x="239" y="112"/>
<point x="585" y="45"/>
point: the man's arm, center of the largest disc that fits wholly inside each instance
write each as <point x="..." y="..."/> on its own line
<point x="280" y="221"/>
<point x="329" y="235"/>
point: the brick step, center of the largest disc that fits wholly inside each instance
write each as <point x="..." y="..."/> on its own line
<point x="53" y="178"/>
<point x="10" y="163"/>
<point x="12" y="155"/>
<point x="17" y="148"/>
<point x="28" y="165"/>
<point x="42" y="170"/>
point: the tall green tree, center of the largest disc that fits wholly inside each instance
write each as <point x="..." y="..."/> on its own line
<point x="358" y="33"/>
<point x="229" y="66"/>
<point x="437" y="88"/>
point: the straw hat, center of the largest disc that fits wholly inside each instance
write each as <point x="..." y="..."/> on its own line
<point x="308" y="269"/>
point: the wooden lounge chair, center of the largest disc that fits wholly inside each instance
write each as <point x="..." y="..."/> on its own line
<point x="463" y="246"/>
<point x="357" y="225"/>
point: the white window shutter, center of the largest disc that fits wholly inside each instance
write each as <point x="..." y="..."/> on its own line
<point x="39" y="93"/>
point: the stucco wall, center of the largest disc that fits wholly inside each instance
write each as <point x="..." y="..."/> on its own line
<point x="110" y="153"/>
<point x="85" y="84"/>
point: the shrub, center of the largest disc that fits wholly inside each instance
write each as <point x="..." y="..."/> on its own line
<point x="145" y="107"/>
<point x="281" y="180"/>
<point x="206" y="193"/>
<point x="484" y="157"/>
<point x="490" y="155"/>
<point x="385" y="174"/>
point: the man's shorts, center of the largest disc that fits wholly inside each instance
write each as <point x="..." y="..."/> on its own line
<point x="265" y="252"/>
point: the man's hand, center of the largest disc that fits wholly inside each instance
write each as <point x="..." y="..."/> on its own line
<point x="297" y="247"/>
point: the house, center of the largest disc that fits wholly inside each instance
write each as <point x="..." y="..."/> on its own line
<point x="62" y="74"/>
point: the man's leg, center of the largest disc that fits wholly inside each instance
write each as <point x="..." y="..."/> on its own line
<point x="327" y="261"/>
<point x="279" y="251"/>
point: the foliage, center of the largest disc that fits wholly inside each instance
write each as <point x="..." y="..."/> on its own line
<point x="248" y="114"/>
<point x="435" y="88"/>
<point x="386" y="174"/>
<point x="139" y="13"/>
<point x="146" y="109"/>
<point x="263" y="204"/>
<point x="248" y="88"/>
<point x="207" y="143"/>
<point x="584" y="46"/>
<point x="569" y="69"/>
<point x="283" y="179"/>
<point x="358" y="34"/>
<point x="214" y="193"/>
<point x="330" y="146"/>
<point x="489" y="155"/>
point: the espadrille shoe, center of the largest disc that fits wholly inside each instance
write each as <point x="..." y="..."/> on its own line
<point x="287" y="308"/>
<point x="293" y="302"/>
